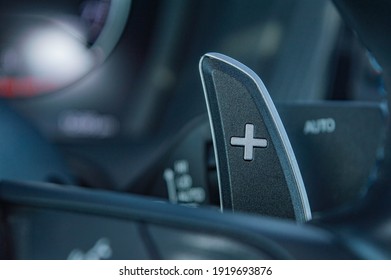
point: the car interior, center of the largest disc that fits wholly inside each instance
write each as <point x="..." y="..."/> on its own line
<point x="183" y="129"/>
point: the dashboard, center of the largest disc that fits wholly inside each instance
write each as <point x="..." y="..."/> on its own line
<point x="102" y="105"/>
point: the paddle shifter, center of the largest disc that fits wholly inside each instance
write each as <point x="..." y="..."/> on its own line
<point x="257" y="169"/>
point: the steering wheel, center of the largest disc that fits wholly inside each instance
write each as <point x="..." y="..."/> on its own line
<point x="46" y="220"/>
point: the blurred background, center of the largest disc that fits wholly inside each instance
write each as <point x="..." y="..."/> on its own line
<point x="109" y="81"/>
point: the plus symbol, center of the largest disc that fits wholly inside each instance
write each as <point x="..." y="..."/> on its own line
<point x="249" y="142"/>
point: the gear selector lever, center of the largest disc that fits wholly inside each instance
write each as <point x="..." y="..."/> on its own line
<point x="257" y="169"/>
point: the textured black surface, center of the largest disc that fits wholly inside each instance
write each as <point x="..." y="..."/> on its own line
<point x="338" y="146"/>
<point x="268" y="183"/>
<point x="338" y="162"/>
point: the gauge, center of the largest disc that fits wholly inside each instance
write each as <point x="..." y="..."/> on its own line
<point x="46" y="49"/>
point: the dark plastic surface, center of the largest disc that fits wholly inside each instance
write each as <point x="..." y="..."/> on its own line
<point x="338" y="146"/>
<point x="371" y="20"/>
<point x="266" y="237"/>
<point x="195" y="245"/>
<point x="183" y="172"/>
<point x="257" y="169"/>
<point x="344" y="139"/>
<point x="51" y="234"/>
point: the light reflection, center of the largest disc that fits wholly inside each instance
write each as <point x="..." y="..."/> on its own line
<point x="45" y="52"/>
<point x="55" y="55"/>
